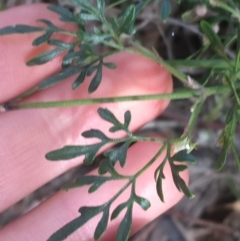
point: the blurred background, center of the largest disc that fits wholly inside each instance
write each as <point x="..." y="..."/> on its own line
<point x="214" y="213"/>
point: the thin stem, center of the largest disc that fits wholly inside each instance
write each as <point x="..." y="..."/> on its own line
<point x="178" y="94"/>
<point x="160" y="151"/>
<point x="224" y="6"/>
<point x="148" y="139"/>
<point x="115" y="4"/>
<point x="235" y="153"/>
<point x="193" y="119"/>
<point x="230" y="82"/>
<point x="67" y="32"/>
<point x="145" y="52"/>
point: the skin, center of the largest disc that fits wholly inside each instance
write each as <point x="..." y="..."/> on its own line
<point x="27" y="135"/>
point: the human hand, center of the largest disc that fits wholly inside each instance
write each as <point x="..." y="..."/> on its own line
<point x="27" y="135"/>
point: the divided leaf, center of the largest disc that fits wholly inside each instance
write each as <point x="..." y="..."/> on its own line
<point x="143" y="202"/>
<point x="127" y="20"/>
<point x="107" y="167"/>
<point x="79" y="80"/>
<point x="42" y="39"/>
<point x="96" y="182"/>
<point x="94" y="133"/>
<point x="95" y="82"/>
<point x="69" y="152"/>
<point x="65" y="14"/>
<point x="50" y="25"/>
<point x="184" y="156"/>
<point x="86" y="214"/>
<point x="102" y="225"/>
<point x="178" y="181"/>
<point x="45" y="57"/>
<point x="62" y="75"/>
<point x="60" y="44"/>
<point x="20" y="28"/>
<point x="118" y="210"/>
<point x="125" y="225"/>
<point x="118" y="154"/>
<point x="108" y="116"/>
<point x="159" y="185"/>
<point x="84" y="5"/>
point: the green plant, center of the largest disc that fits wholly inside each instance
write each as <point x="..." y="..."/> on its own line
<point x="117" y="34"/>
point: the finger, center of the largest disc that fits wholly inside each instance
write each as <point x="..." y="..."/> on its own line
<point x="16" y="50"/>
<point x="62" y="207"/>
<point x="35" y="132"/>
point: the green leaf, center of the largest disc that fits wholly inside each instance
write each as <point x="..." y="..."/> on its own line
<point x="143" y="202"/>
<point x="101" y="5"/>
<point x="91" y="69"/>
<point x="93" y="133"/>
<point x="178" y="181"/>
<point x="71" y="56"/>
<point x="69" y="152"/>
<point x="125" y="226"/>
<point x="184" y="188"/>
<point x="127" y="118"/>
<point x="96" y="182"/>
<point x="213" y="38"/>
<point x="50" y="25"/>
<point x="139" y="6"/>
<point x="107" y="167"/>
<point x="79" y="80"/>
<point x="102" y="225"/>
<point x="86" y="214"/>
<point x="165" y="9"/>
<point x="20" y="28"/>
<point x="118" y="154"/>
<point x="64" y="74"/>
<point x="87" y="16"/>
<point x="184" y="156"/>
<point x="93" y="38"/>
<point x="95" y="82"/>
<point x="84" y="5"/>
<point x="45" y="57"/>
<point x="42" y="39"/>
<point x="180" y="168"/>
<point x="159" y="187"/>
<point x="65" y="14"/>
<point x="238" y="48"/>
<point x="226" y="140"/>
<point x="61" y="44"/>
<point x="110" y="65"/>
<point x="118" y="210"/>
<point x="127" y="20"/>
<point x="108" y="116"/>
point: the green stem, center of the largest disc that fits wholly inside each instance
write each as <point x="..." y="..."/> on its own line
<point x="116" y="3"/>
<point x="193" y="119"/>
<point x="235" y="12"/>
<point x="177" y="94"/>
<point x="157" y="155"/>
<point x="146" y="53"/>
<point x="180" y="94"/>
<point x="67" y="32"/>
<point x="236" y="155"/>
